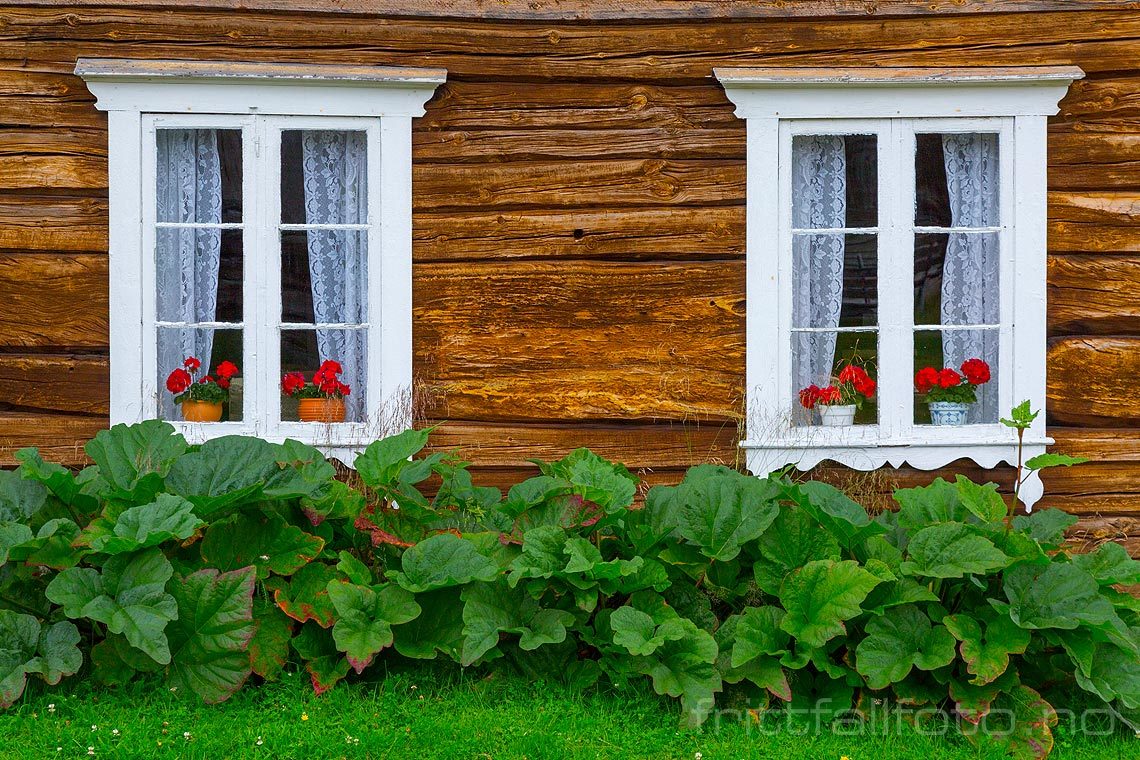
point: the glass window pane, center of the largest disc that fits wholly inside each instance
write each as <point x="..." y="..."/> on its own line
<point x="324" y="276"/>
<point x="834" y="181"/>
<point x="845" y="361"/>
<point x="304" y="351"/>
<point x="834" y="280"/>
<point x="211" y="347"/>
<point x="957" y="278"/>
<point x="944" y="360"/>
<point x="198" y="274"/>
<point x="324" y="177"/>
<point x="198" y="175"/>
<point x="957" y="180"/>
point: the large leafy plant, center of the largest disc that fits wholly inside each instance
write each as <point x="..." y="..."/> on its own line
<point x="213" y="564"/>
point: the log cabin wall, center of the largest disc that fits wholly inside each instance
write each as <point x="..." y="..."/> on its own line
<point x="579" y="212"/>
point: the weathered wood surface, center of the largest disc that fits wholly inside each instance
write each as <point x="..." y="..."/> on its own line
<point x="53" y="301"/>
<point x="609" y="10"/>
<point x="579" y="218"/>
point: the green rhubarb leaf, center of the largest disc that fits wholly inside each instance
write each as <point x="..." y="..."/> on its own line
<point x="365" y="616"/>
<point x="323" y="661"/>
<point x="380" y="464"/>
<point x="719" y="515"/>
<point x="1056" y="595"/>
<point x="951" y="550"/>
<point x="27" y="648"/>
<point x="20" y="498"/>
<point x="438" y="628"/>
<point x="818" y="699"/>
<point x="1046" y="526"/>
<point x="53" y="546"/>
<point x="900" y="639"/>
<point x="607" y="484"/>
<point x="57" y="479"/>
<point x="12" y="534"/>
<point x="269" y="645"/>
<point x="305" y="597"/>
<point x="1109" y="564"/>
<point x="983" y="501"/>
<point x="263" y="540"/>
<point x="821" y="595"/>
<point x="793" y="540"/>
<point x="210" y="638"/>
<point x="986" y="652"/>
<point x="441" y="561"/>
<point x="491" y="609"/>
<point x="1026" y="731"/>
<point x="134" y="459"/>
<point x="541" y="556"/>
<point x="128" y="596"/>
<point x="685" y="668"/>
<point x="116" y="662"/>
<point x="973" y="701"/>
<point x="758" y="633"/>
<point x="166" y="518"/>
<point x="936" y="503"/>
<point x="637" y="632"/>
<point x="1112" y="674"/>
<point x="843" y="518"/>
<point x="653" y="523"/>
<point x="355" y="570"/>
<point x="224" y="472"/>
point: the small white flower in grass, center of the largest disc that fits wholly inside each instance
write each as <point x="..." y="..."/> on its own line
<point x="264" y="557"/>
<point x="90" y="750"/>
<point x="259" y="741"/>
<point x="94" y="727"/>
<point x="187" y="736"/>
<point x="697" y="756"/>
<point x="114" y="732"/>
<point x="51" y="707"/>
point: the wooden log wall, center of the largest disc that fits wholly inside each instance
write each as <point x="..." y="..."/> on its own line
<point x="578" y="213"/>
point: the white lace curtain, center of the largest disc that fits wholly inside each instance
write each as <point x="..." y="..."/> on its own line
<point x="819" y="201"/>
<point x="189" y="188"/>
<point x="970" y="273"/>
<point x="336" y="192"/>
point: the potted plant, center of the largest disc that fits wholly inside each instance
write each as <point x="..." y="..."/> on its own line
<point x="321" y="400"/>
<point x="201" y="400"/>
<point x="838" y="402"/>
<point x="948" y="393"/>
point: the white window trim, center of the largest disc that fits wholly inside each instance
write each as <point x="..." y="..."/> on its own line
<point x="142" y="95"/>
<point x="778" y="102"/>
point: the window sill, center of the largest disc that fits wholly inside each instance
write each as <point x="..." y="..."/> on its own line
<point x="341" y="441"/>
<point x="925" y="448"/>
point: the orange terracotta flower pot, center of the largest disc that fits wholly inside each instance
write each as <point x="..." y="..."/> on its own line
<point x="321" y="409"/>
<point x="201" y="411"/>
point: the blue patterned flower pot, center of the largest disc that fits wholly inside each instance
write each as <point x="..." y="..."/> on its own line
<point x="948" y="412"/>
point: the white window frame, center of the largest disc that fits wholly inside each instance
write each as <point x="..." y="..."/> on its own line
<point x="261" y="100"/>
<point x="894" y="104"/>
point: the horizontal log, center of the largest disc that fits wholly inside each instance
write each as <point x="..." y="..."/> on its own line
<point x="60" y="438"/>
<point x="1092" y="381"/>
<point x="67" y="383"/>
<point x="1102" y="98"/>
<point x="1091" y="160"/>
<point x="1094" y="221"/>
<point x="681" y="232"/>
<point x="661" y="446"/>
<point x="22" y="172"/>
<point x="54" y="300"/>
<point x="1094" y="295"/>
<point x="574" y="340"/>
<point x="686" y="50"/>
<point x="577" y="10"/>
<point x="45" y="223"/>
<point x="1102" y="444"/>
<point x="475" y="145"/>
<point x="607" y="184"/>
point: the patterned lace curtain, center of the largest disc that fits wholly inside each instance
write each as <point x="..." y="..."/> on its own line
<point x="819" y="192"/>
<point x="970" y="273"/>
<point x="189" y="187"/>
<point x="336" y="192"/>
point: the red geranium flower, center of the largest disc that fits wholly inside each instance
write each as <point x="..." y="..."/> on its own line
<point x="853" y="374"/>
<point x="191" y="364"/>
<point x="178" y="381"/>
<point x="224" y="383"/>
<point x="925" y="379"/>
<point x="226" y="369"/>
<point x="343" y="389"/>
<point x="206" y="379"/>
<point x="948" y="378"/>
<point x="330" y="367"/>
<point x="829" y="395"/>
<point x="809" y="396"/>
<point x="866" y="387"/>
<point x="292" y="382"/>
<point x="976" y="371"/>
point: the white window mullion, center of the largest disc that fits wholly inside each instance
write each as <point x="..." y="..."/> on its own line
<point x="1007" y="371"/>
<point x="269" y="287"/>
<point x="896" y="278"/>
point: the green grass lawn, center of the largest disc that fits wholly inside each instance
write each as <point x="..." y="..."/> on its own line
<point x="431" y="712"/>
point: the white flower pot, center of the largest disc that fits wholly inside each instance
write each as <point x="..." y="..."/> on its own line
<point x="837" y="416"/>
<point x="948" y="412"/>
